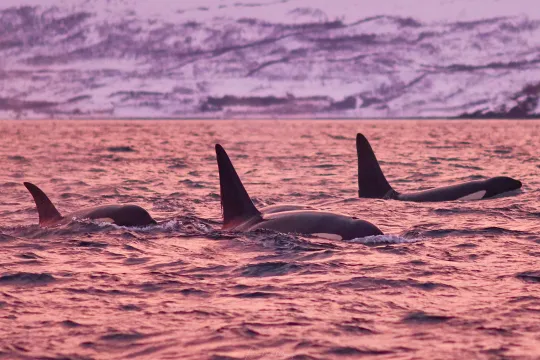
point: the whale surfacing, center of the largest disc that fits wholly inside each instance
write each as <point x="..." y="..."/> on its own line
<point x="239" y="213"/>
<point x="122" y="215"/>
<point x="373" y="184"/>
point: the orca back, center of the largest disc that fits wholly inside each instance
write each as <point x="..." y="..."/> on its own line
<point x="121" y="215"/>
<point x="501" y="184"/>
<point x="323" y="224"/>
<point x="235" y="202"/>
<point x="371" y="181"/>
<point x="47" y="211"/>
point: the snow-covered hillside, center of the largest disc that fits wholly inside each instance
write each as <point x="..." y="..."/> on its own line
<point x="290" y="58"/>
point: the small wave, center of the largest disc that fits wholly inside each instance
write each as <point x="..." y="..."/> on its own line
<point x="256" y="295"/>
<point x="75" y="227"/>
<point x="353" y="351"/>
<point x="338" y="137"/>
<point x="121" y="149"/>
<point x="29" y="256"/>
<point x="100" y="292"/>
<point x="421" y="317"/>
<point x="356" y="329"/>
<point x="6" y="238"/>
<point x="179" y="164"/>
<point x="193" y="291"/>
<point x="275" y="268"/>
<point x="91" y="244"/>
<point x="469" y="167"/>
<point x="70" y="324"/>
<point x="121" y="337"/>
<point x="317" y="255"/>
<point x="18" y="158"/>
<point x="97" y="170"/>
<point x="529" y="276"/>
<point x="366" y="283"/>
<point x="24" y="278"/>
<point x="326" y="166"/>
<point x="129" y="307"/>
<point x="491" y="230"/>
<point x="191" y="184"/>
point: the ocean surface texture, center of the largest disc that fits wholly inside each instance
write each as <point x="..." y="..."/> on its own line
<point x="454" y="280"/>
<point x="269" y="58"/>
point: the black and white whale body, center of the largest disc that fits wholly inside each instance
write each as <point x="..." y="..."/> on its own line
<point x="373" y="184"/>
<point x="122" y="215"/>
<point x="239" y="213"/>
<point x="272" y="209"/>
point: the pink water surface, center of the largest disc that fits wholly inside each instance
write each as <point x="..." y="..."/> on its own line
<point x="455" y="280"/>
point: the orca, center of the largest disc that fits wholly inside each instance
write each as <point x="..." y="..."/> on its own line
<point x="272" y="209"/>
<point x="373" y="184"/>
<point x="122" y="215"/>
<point x="239" y="213"/>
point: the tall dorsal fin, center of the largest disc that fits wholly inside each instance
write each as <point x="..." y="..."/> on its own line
<point x="371" y="180"/>
<point x="46" y="210"/>
<point x="235" y="201"/>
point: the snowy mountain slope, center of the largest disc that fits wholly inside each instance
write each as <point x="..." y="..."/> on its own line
<point x="267" y="58"/>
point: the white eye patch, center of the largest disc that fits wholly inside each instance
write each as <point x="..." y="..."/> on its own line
<point x="474" y="196"/>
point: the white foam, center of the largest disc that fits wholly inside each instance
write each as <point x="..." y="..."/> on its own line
<point x="382" y="239"/>
<point x="104" y="222"/>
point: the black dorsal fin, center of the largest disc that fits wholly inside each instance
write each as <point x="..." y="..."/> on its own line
<point x="371" y="180"/>
<point x="46" y="210"/>
<point x="235" y="201"/>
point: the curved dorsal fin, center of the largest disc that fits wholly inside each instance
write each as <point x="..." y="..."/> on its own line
<point x="371" y="180"/>
<point x="46" y="210"/>
<point x="235" y="201"/>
